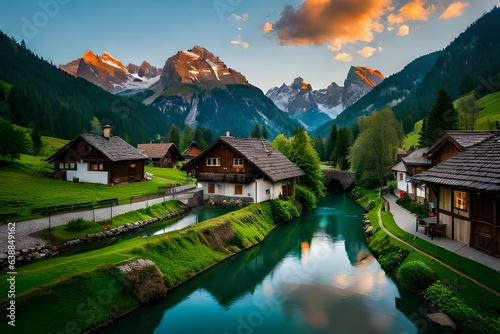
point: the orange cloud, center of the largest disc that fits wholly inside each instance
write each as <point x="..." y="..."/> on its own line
<point x="343" y="57"/>
<point x="403" y="30"/>
<point x="335" y="22"/>
<point x="412" y="11"/>
<point x="268" y="27"/>
<point x="367" y="52"/>
<point x="454" y="10"/>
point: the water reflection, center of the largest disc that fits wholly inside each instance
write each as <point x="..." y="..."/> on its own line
<point x="315" y="275"/>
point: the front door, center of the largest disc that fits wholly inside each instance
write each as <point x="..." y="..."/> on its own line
<point x="211" y="188"/>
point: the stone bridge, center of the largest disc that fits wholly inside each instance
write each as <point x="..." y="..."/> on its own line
<point x="336" y="178"/>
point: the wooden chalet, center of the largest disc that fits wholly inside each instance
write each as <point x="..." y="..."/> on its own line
<point x="237" y="167"/>
<point x="161" y="154"/>
<point x="415" y="163"/>
<point x="103" y="159"/>
<point x="467" y="191"/>
<point x="192" y="151"/>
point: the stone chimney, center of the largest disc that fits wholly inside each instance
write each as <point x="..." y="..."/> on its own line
<point x="106" y="131"/>
<point x="228" y="134"/>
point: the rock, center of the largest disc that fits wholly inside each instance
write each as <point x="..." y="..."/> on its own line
<point x="17" y="254"/>
<point x="45" y="251"/>
<point x="25" y="250"/>
<point x="442" y="319"/>
<point x="52" y="247"/>
<point x="3" y="257"/>
<point x="19" y="259"/>
<point x="369" y="229"/>
<point x="37" y="256"/>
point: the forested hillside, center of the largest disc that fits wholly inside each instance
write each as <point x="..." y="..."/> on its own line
<point x="45" y="98"/>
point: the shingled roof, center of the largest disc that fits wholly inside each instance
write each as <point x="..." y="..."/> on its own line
<point x="477" y="168"/>
<point x="417" y="158"/>
<point x="158" y="150"/>
<point x="462" y="139"/>
<point x="258" y="152"/>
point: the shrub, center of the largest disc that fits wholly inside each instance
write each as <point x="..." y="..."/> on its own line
<point x="306" y="197"/>
<point x="391" y="257"/>
<point x="368" y="183"/>
<point x="79" y="224"/>
<point x="414" y="207"/>
<point x="283" y="210"/>
<point x="416" y="275"/>
<point x="467" y="319"/>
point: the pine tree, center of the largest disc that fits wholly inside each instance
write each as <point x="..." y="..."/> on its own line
<point x="331" y="141"/>
<point x="36" y="141"/>
<point x="173" y="135"/>
<point x="442" y="117"/>
<point x="255" y="133"/>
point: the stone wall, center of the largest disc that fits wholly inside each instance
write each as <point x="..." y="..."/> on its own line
<point x="226" y="201"/>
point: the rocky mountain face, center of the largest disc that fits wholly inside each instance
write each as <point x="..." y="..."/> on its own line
<point x="110" y="74"/>
<point x="198" y="89"/>
<point x="316" y="107"/>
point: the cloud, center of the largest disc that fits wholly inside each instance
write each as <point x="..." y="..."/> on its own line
<point x="242" y="17"/>
<point x="403" y="30"/>
<point x="367" y="52"/>
<point x="268" y="27"/>
<point x="412" y="11"/>
<point x="335" y="22"/>
<point x="245" y="45"/>
<point x="343" y="57"/>
<point x="454" y="10"/>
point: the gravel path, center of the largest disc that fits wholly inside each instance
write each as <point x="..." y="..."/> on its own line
<point x="24" y="230"/>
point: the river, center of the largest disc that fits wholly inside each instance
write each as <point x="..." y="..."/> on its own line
<point x="313" y="275"/>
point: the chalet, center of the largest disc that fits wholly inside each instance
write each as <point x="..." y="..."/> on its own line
<point x="161" y="154"/>
<point x="415" y="163"/>
<point x="103" y="159"/>
<point x="237" y="167"/>
<point x="192" y="151"/>
<point x="467" y="191"/>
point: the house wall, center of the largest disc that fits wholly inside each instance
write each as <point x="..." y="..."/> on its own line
<point x="402" y="184"/>
<point x="84" y="175"/>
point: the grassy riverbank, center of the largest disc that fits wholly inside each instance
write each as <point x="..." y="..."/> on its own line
<point x="473" y="295"/>
<point x="77" y="292"/>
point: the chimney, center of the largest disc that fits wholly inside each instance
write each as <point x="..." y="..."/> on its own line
<point x="228" y="134"/>
<point x="106" y="131"/>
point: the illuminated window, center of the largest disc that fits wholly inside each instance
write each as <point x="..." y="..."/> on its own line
<point x="213" y="161"/>
<point x="67" y="166"/>
<point x="96" y="166"/>
<point x="461" y="200"/>
<point x="238" y="189"/>
<point x="237" y="162"/>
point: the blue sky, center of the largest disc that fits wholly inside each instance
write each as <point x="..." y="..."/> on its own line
<point x="270" y="42"/>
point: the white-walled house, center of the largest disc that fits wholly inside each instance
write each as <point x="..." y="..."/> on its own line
<point x="240" y="167"/>
<point x="415" y="163"/>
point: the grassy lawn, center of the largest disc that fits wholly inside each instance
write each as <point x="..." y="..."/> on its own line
<point x="472" y="294"/>
<point x="490" y="114"/>
<point x="412" y="137"/>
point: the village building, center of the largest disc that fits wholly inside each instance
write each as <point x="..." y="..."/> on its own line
<point x="161" y="154"/>
<point x="465" y="183"/>
<point x="192" y="151"/>
<point x="103" y="159"/>
<point x="415" y="163"/>
<point x="238" y="167"/>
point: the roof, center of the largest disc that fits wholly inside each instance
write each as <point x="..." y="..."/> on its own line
<point x="462" y="139"/>
<point x="113" y="148"/>
<point x="399" y="167"/>
<point x="157" y="150"/>
<point x="271" y="162"/>
<point x="476" y="168"/>
<point x="417" y="158"/>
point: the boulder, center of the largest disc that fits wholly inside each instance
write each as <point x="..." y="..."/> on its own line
<point x="442" y="319"/>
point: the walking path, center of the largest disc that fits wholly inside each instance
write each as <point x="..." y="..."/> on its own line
<point x="406" y="221"/>
<point x="24" y="230"/>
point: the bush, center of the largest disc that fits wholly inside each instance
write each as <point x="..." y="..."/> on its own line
<point x="306" y="197"/>
<point x="414" y="207"/>
<point x="391" y="257"/>
<point x="79" y="224"/>
<point x="416" y="275"/>
<point x="283" y="210"/>
<point x="368" y="183"/>
<point x="467" y="319"/>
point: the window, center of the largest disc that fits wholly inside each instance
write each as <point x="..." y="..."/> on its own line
<point x="461" y="200"/>
<point x="238" y="189"/>
<point x="268" y="191"/>
<point x="67" y="166"/>
<point x="213" y="161"/>
<point x="237" y="162"/>
<point x="96" y="166"/>
<point x="401" y="177"/>
<point x="84" y="148"/>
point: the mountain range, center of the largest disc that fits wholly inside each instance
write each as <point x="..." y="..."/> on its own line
<point x="315" y="107"/>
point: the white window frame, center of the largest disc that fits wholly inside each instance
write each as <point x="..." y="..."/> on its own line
<point x="213" y="161"/>
<point x="238" y="162"/>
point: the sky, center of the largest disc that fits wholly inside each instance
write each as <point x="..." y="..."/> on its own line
<point x="269" y="41"/>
